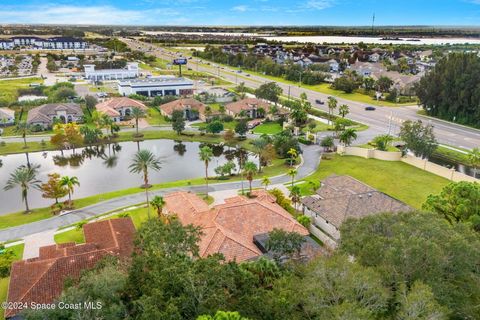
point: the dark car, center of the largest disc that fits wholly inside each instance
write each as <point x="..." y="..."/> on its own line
<point x="318" y="101"/>
<point x="370" y="108"/>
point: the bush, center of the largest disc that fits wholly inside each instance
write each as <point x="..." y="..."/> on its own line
<point x="6" y="259"/>
<point x="304" y="141"/>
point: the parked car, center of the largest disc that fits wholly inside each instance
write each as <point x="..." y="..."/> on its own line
<point x="318" y="101"/>
<point x="247" y="75"/>
<point x="370" y="108"/>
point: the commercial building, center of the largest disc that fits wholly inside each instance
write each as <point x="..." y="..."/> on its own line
<point x="55" y="43"/>
<point x="40" y="280"/>
<point x="130" y="71"/>
<point x="156" y="86"/>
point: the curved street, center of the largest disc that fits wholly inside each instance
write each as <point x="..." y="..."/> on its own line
<point x="311" y="160"/>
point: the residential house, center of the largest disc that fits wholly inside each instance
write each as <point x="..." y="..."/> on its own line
<point x="249" y="106"/>
<point x="334" y="65"/>
<point x="342" y="197"/>
<point x="192" y="109"/>
<point x="41" y="280"/>
<point x="45" y="115"/>
<point x="374" y="57"/>
<point x="119" y="108"/>
<point x="220" y="95"/>
<point x="231" y="228"/>
<point x="7" y="116"/>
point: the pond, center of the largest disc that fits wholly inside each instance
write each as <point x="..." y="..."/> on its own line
<point x="469" y="171"/>
<point x="104" y="168"/>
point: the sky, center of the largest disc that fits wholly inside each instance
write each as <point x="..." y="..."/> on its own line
<point x="242" y="12"/>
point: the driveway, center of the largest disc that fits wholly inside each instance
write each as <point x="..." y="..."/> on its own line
<point x="311" y="159"/>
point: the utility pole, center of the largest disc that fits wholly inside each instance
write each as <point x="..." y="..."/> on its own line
<point x="289" y="93"/>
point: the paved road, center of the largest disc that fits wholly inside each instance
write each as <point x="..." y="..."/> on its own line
<point x="380" y="121"/>
<point x="311" y="157"/>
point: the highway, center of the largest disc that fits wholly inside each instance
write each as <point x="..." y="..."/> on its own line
<point x="381" y="121"/>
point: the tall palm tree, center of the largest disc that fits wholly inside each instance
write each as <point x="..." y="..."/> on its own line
<point x="24" y="177"/>
<point x="347" y="136"/>
<point x="137" y="113"/>
<point x="332" y="105"/>
<point x="158" y="202"/>
<point x="206" y="155"/>
<point x="474" y="159"/>
<point x="141" y="163"/>
<point x="343" y="110"/>
<point x="250" y="168"/>
<point x="23" y="128"/>
<point x="265" y="182"/>
<point x="292" y="173"/>
<point x="293" y="155"/>
<point x="107" y="123"/>
<point x="295" y="195"/>
<point x="69" y="183"/>
<point x="259" y="145"/>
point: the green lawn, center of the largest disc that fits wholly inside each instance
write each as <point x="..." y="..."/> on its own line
<point x="75" y="235"/>
<point x="155" y="118"/>
<point x="268" y="128"/>
<point x="452" y="155"/>
<point x="226" y="125"/>
<point x="8" y="88"/>
<point x="3" y="293"/>
<point x="397" y="179"/>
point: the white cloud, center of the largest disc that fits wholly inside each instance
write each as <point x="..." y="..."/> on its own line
<point x="241" y="8"/>
<point x="319" y="4"/>
<point x="66" y="14"/>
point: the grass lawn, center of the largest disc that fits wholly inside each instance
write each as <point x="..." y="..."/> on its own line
<point x="397" y="179"/>
<point x="226" y="125"/>
<point x="155" y="118"/>
<point x="8" y="88"/>
<point x="75" y="235"/>
<point x="3" y="293"/>
<point x="268" y="128"/>
<point x="452" y="155"/>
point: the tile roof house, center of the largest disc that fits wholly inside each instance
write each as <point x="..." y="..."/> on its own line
<point x="45" y="115"/>
<point x="230" y="228"/>
<point x="118" y="108"/>
<point x="40" y="280"/>
<point x="192" y="109"/>
<point x="7" y="116"/>
<point x="249" y="105"/>
<point x="343" y="197"/>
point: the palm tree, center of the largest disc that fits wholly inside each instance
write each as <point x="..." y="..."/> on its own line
<point x="259" y="145"/>
<point x="137" y="113"/>
<point x="141" y="163"/>
<point x="206" y="155"/>
<point x="474" y="159"/>
<point x="293" y="155"/>
<point x="108" y="123"/>
<point x="347" y="136"/>
<point x="69" y="183"/>
<point x="265" y="182"/>
<point x="295" y="195"/>
<point x="250" y="168"/>
<point x="24" y="177"/>
<point x="23" y="128"/>
<point x="343" y="110"/>
<point x="332" y="105"/>
<point x="158" y="202"/>
<point x="292" y="173"/>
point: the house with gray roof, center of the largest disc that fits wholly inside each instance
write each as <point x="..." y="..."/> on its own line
<point x="342" y="197"/>
<point x="45" y="115"/>
<point x="7" y="116"/>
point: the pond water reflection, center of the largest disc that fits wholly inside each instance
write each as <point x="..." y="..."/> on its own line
<point x="104" y="168"/>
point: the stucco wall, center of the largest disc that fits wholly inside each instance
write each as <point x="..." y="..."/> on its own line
<point x="370" y="153"/>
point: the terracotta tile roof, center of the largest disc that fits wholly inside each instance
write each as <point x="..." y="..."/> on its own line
<point x="343" y="197"/>
<point x="229" y="228"/>
<point x="247" y="104"/>
<point x="111" y="106"/>
<point x="182" y="104"/>
<point x="41" y="279"/>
